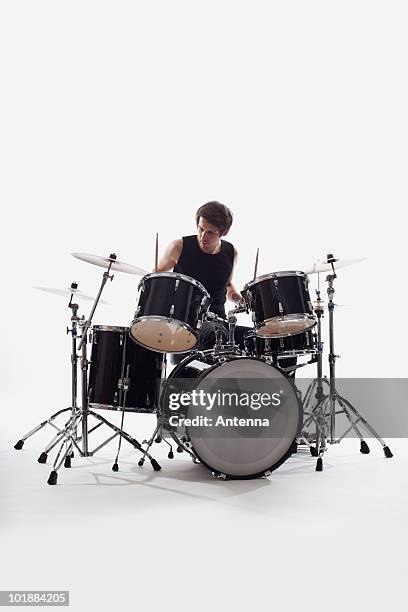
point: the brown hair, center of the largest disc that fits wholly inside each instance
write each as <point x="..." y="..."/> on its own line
<point x="217" y="214"/>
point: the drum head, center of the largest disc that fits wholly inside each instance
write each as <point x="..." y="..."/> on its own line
<point x="247" y="452"/>
<point x="290" y="325"/>
<point x="163" y="335"/>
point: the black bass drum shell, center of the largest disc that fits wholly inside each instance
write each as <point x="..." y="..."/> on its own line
<point x="234" y="458"/>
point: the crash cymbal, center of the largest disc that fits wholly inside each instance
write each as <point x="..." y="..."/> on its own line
<point x="68" y="292"/>
<point x="103" y="262"/>
<point x="325" y="266"/>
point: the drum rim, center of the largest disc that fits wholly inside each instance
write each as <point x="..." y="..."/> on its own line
<point x="288" y="453"/>
<point x="177" y="275"/>
<point x="272" y="275"/>
<point x="118" y="408"/>
<point x="289" y="317"/>
<point x="112" y="328"/>
<point x="161" y="318"/>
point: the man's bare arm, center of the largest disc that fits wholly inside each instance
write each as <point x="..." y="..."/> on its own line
<point x="232" y="293"/>
<point x="171" y="256"/>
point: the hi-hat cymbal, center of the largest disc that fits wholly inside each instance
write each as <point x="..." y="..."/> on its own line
<point x="68" y="292"/>
<point x="325" y="266"/>
<point x="103" y="262"/>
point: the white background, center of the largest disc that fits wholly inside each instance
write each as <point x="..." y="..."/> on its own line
<point x="118" y="119"/>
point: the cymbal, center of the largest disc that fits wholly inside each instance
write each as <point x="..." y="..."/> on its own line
<point x="67" y="293"/>
<point x="325" y="266"/>
<point x="103" y="262"/>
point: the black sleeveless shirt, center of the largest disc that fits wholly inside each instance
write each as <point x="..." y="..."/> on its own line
<point x="212" y="271"/>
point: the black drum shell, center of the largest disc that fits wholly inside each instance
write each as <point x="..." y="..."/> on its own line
<point x="265" y="296"/>
<point x="170" y="297"/>
<point x="113" y="350"/>
<point x="257" y="346"/>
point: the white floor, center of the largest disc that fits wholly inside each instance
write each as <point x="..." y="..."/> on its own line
<point x="179" y="539"/>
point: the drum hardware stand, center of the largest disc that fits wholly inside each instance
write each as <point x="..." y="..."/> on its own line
<point x="74" y="388"/>
<point x="326" y="434"/>
<point x="232" y="320"/>
<point x="67" y="436"/>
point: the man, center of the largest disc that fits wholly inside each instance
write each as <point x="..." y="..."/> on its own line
<point x="210" y="260"/>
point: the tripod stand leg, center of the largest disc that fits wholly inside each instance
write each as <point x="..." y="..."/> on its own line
<point x="386" y="449"/>
<point x="155" y="465"/>
<point x="183" y="446"/>
<point x="19" y="445"/>
<point x="53" y="477"/>
<point x="364" y="448"/>
<point x="149" y="443"/>
<point x="56" y="439"/>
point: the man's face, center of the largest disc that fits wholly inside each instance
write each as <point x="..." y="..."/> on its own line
<point x="208" y="235"/>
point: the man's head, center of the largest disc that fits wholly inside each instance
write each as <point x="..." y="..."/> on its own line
<point x="213" y="221"/>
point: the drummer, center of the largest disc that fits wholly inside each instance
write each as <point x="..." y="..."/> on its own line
<point x="211" y="260"/>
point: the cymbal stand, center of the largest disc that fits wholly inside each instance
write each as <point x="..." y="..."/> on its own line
<point x="69" y="441"/>
<point x="325" y="409"/>
<point x="316" y="386"/>
<point x="75" y="320"/>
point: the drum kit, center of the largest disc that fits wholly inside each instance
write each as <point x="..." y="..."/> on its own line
<point x="127" y="371"/>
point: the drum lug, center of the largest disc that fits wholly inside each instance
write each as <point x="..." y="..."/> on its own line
<point x="172" y="310"/>
<point x="176" y="285"/>
<point x="219" y="475"/>
<point x="254" y="317"/>
<point x="280" y="308"/>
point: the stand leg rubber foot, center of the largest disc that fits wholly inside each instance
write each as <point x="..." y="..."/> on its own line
<point x="158" y="439"/>
<point x="171" y="455"/>
<point x="364" y="448"/>
<point x="179" y="449"/>
<point x="52" y="480"/>
<point x="156" y="466"/>
<point x="313" y="451"/>
<point x="19" y="445"/>
<point x="140" y="463"/>
<point x="319" y="465"/>
<point x="42" y="458"/>
<point x="115" y="467"/>
<point x="387" y="452"/>
<point x="67" y="462"/>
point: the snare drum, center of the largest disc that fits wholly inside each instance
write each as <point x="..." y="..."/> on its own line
<point x="280" y="304"/>
<point x="170" y="310"/>
<point x="115" y="357"/>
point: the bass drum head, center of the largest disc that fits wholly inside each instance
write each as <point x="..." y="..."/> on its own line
<point x="163" y="335"/>
<point x="239" y="454"/>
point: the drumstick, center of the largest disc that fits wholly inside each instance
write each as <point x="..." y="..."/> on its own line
<point x="156" y="261"/>
<point x="256" y="262"/>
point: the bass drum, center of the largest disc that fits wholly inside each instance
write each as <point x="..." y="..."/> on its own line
<point x="235" y="450"/>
